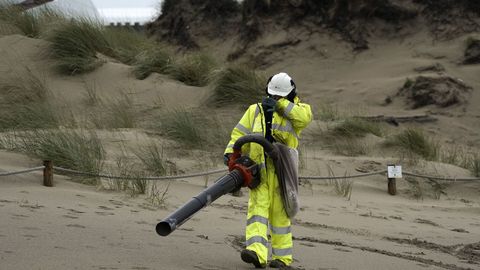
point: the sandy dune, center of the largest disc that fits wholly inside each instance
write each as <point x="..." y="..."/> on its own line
<point x="74" y="226"/>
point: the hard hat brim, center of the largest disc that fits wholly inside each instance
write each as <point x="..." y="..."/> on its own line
<point x="278" y="93"/>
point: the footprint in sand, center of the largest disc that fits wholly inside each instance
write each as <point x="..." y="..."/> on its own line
<point x="307" y="244"/>
<point x="76" y="226"/>
<point x="460" y="230"/>
<point x="142" y="222"/>
<point x="69" y="216"/>
<point x="426" y="221"/>
<point x="105" y="208"/>
<point x="30" y="228"/>
<point x="104" y="213"/>
<point x="18" y="216"/>
<point x="74" y="211"/>
<point x="117" y="203"/>
<point x="342" y="250"/>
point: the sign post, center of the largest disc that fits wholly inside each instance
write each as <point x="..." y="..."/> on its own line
<point x="393" y="172"/>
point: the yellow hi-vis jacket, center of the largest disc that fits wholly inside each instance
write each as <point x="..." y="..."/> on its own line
<point x="288" y="121"/>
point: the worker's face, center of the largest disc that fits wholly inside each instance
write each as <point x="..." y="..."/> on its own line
<point x="276" y="97"/>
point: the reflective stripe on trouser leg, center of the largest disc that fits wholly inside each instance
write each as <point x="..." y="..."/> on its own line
<point x="280" y="225"/>
<point x="257" y="222"/>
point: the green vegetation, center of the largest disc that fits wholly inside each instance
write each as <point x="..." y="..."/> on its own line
<point x="154" y="160"/>
<point x="408" y="82"/>
<point x="126" y="43"/>
<point x="415" y="142"/>
<point x="474" y="164"/>
<point x="193" y="69"/>
<point x="110" y="114"/>
<point x="414" y="188"/>
<point x="71" y="149"/>
<point x="121" y="113"/>
<point x="152" y="60"/>
<point x="183" y="126"/>
<point x="29" y="23"/>
<point x="327" y="112"/>
<point x="24" y="104"/>
<point x="237" y="85"/>
<point x="91" y="95"/>
<point x="349" y="147"/>
<point x="343" y="186"/>
<point x="75" y="45"/>
<point x="355" y="127"/>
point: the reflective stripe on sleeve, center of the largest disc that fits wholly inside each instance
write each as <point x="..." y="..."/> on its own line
<point x="257" y="111"/>
<point x="281" y="230"/>
<point x="288" y="128"/>
<point x="230" y="146"/>
<point x="289" y="108"/>
<point x="256" y="239"/>
<point x="242" y="128"/>
<point x="257" y="218"/>
<point x="282" y="251"/>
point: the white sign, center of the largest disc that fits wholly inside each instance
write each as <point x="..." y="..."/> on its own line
<point x="394" y="171"/>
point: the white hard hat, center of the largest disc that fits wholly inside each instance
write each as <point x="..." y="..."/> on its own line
<point x="280" y="85"/>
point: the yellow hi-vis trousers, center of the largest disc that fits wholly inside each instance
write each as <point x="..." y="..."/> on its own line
<point x="266" y="214"/>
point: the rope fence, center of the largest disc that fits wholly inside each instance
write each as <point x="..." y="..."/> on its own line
<point x="168" y="177"/>
<point x="48" y="170"/>
<point x="22" y="171"/>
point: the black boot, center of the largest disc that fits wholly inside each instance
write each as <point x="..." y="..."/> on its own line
<point x="277" y="264"/>
<point x="250" y="256"/>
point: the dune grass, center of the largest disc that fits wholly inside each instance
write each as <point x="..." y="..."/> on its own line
<point x="355" y="128"/>
<point x="153" y="59"/>
<point x="71" y="149"/>
<point x="350" y="147"/>
<point x="193" y="69"/>
<point x="345" y="137"/>
<point x="327" y="112"/>
<point x="126" y="43"/>
<point x="415" y="142"/>
<point x="121" y="113"/>
<point x="343" y="187"/>
<point x="114" y="113"/>
<point x="183" y="125"/>
<point x="194" y="129"/>
<point x="473" y="164"/>
<point x="154" y="160"/>
<point x="75" y="44"/>
<point x="31" y="23"/>
<point x="24" y="103"/>
<point x="237" y="85"/>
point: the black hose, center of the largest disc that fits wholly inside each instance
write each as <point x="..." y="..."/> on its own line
<point x="267" y="146"/>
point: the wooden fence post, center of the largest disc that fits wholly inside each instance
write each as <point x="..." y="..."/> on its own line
<point x="48" y="173"/>
<point x="393" y="172"/>
<point x="392" y="186"/>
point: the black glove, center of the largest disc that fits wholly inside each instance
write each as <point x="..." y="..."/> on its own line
<point x="226" y="157"/>
<point x="269" y="104"/>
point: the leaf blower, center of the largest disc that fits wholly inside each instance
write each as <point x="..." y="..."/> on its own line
<point x="242" y="172"/>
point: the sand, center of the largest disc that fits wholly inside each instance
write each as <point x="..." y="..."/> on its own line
<point x="74" y="226"/>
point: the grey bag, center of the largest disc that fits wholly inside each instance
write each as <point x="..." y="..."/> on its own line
<point x="286" y="168"/>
